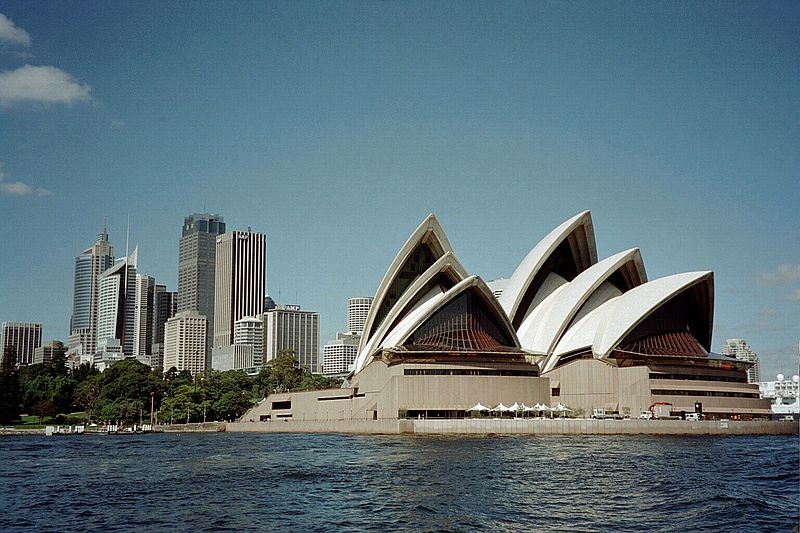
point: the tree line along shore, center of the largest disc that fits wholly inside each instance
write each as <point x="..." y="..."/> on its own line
<point x="129" y="391"/>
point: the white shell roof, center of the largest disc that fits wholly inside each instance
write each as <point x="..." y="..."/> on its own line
<point x="447" y="261"/>
<point x="429" y="226"/>
<point x="528" y="268"/>
<point x="629" y="310"/>
<point x="580" y="335"/>
<point x="415" y="319"/>
<point x="561" y="310"/>
<point x="529" y="327"/>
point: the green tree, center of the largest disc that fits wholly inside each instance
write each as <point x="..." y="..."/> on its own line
<point x="285" y="372"/>
<point x="44" y="408"/>
<point x="10" y="391"/>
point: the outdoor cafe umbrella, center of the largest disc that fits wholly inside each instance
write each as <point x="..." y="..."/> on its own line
<point x="560" y="408"/>
<point x="501" y="408"/>
<point x="479" y="408"/>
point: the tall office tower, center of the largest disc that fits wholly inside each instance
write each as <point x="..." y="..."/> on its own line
<point x="288" y="328"/>
<point x="357" y="311"/>
<point x="339" y="355"/>
<point x="88" y="266"/>
<point x="185" y="342"/>
<point x="115" y="307"/>
<point x="197" y="254"/>
<point x="239" y="281"/>
<point x="250" y="331"/>
<point x="742" y="351"/>
<point x="44" y="353"/>
<point x="165" y="305"/>
<point x="143" y="308"/>
<point x="25" y="337"/>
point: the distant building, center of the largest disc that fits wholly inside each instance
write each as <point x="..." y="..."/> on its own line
<point x="44" y="353"/>
<point x="287" y="327"/>
<point x="116" y="311"/>
<point x="108" y="351"/>
<point x="339" y="355"/>
<point x="185" y="342"/>
<point x="165" y="305"/>
<point x="250" y="331"/>
<point x="357" y="312"/>
<point x="742" y="351"/>
<point x="239" y="281"/>
<point x="197" y="254"/>
<point x="88" y="266"/>
<point x="784" y="394"/>
<point x="25" y="337"/>
<point x="233" y="357"/>
<point x="144" y="306"/>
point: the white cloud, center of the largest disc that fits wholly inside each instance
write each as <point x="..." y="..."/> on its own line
<point x="40" y="84"/>
<point x="785" y="273"/>
<point x="19" y="188"/>
<point x="10" y="33"/>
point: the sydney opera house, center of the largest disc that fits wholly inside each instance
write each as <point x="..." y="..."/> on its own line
<point x="564" y="328"/>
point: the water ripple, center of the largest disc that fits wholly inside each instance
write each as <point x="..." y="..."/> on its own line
<point x="241" y="482"/>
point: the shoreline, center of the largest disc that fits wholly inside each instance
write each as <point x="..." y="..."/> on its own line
<point x="497" y="426"/>
<point x="519" y="426"/>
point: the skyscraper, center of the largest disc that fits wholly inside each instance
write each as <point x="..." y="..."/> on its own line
<point x="25" y="337"/>
<point x="143" y="318"/>
<point x="88" y="266"/>
<point x="197" y="253"/>
<point x="115" y="308"/>
<point x="742" y="351"/>
<point x="239" y="281"/>
<point x="165" y="306"/>
<point x="288" y="328"/>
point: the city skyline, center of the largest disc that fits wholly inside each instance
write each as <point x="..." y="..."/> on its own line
<point x="329" y="127"/>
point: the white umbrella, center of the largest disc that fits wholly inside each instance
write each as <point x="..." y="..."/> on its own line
<point x="541" y="407"/>
<point x="500" y="408"/>
<point x="479" y="408"/>
<point x="528" y="409"/>
<point x="515" y="407"/>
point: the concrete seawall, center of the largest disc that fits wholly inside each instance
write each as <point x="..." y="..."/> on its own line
<point x="508" y="426"/>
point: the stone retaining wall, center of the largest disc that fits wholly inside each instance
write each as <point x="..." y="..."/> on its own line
<point x="508" y="426"/>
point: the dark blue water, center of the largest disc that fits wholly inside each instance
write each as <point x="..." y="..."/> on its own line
<point x="258" y="482"/>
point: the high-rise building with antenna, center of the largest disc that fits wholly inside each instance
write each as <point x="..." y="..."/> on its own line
<point x="88" y="266"/>
<point x="116" y="310"/>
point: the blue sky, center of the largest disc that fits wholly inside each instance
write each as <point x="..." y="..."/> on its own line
<point x="335" y="127"/>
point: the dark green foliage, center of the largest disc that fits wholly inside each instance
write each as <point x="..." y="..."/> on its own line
<point x="10" y="390"/>
<point x="123" y="392"/>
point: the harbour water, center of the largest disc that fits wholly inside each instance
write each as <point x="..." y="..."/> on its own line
<point x="267" y="482"/>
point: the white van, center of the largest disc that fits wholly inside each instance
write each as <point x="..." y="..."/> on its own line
<point x="692" y="416"/>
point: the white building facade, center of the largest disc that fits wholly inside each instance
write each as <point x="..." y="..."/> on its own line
<point x="338" y="355"/>
<point x="743" y="352"/>
<point x="239" y="281"/>
<point x="185" y="342"/>
<point x="250" y="331"/>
